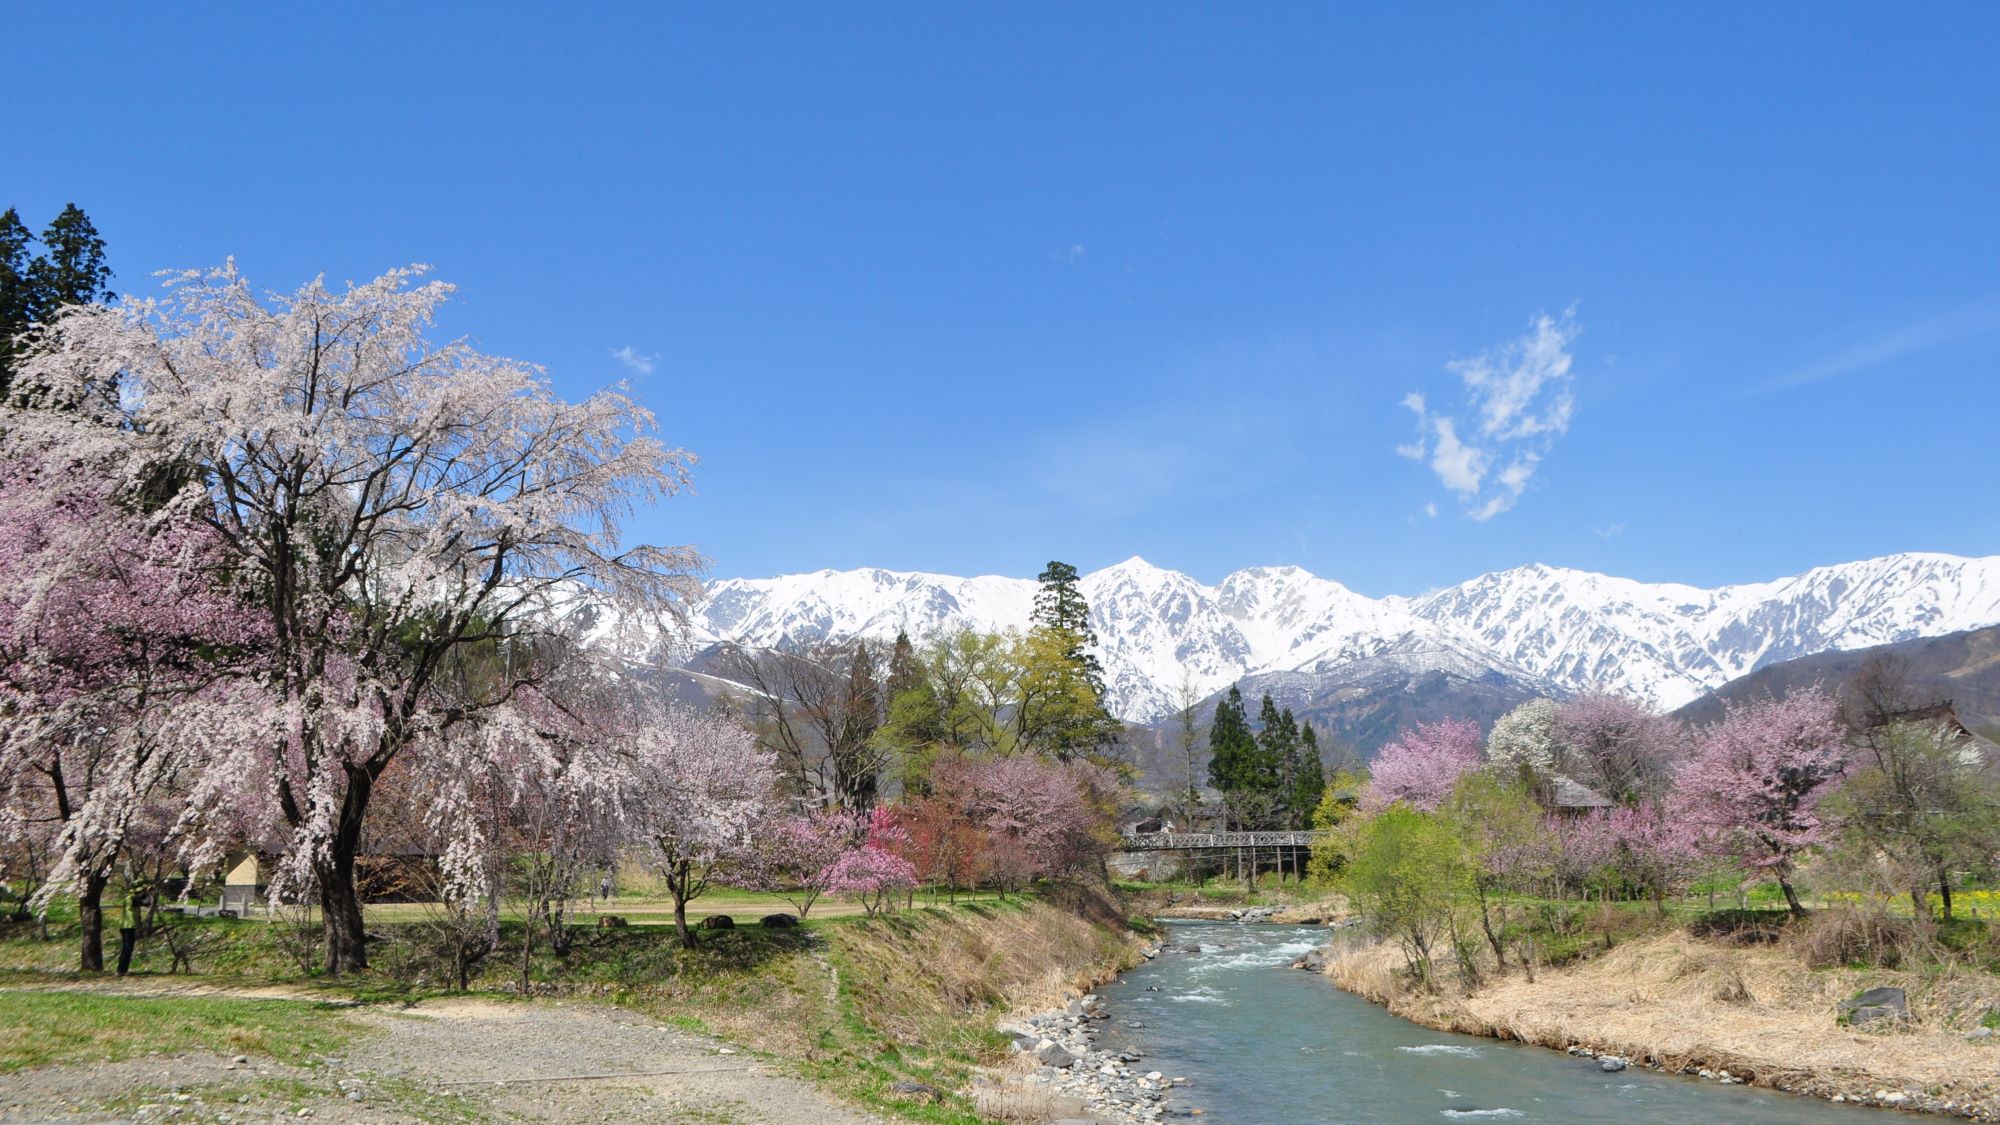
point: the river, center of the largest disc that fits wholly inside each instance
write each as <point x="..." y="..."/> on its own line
<point x="1262" y="1044"/>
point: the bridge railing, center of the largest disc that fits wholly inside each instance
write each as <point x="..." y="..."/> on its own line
<point x="1178" y="841"/>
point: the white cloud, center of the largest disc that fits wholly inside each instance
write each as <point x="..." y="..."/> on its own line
<point x="637" y="362"/>
<point x="1520" y="395"/>
<point x="1431" y="509"/>
<point x="1612" y="531"/>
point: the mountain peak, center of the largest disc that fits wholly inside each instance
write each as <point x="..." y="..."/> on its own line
<point x="1540" y="627"/>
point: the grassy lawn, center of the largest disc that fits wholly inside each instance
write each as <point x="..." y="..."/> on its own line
<point x="50" y="1028"/>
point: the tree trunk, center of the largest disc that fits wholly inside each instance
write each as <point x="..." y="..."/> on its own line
<point x="90" y="915"/>
<point x="677" y="885"/>
<point x="339" y="898"/>
<point x="1944" y="891"/>
<point x="1791" y="898"/>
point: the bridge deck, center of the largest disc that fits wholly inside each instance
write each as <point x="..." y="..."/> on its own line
<point x="1188" y="841"/>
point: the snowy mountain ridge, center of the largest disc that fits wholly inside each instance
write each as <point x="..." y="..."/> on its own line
<point x="1161" y="633"/>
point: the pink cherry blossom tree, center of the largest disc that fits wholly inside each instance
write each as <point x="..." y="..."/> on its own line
<point x="798" y="855"/>
<point x="390" y="500"/>
<point x="1422" y="765"/>
<point x="116" y="637"/>
<point x="1754" y="786"/>
<point x="701" y="794"/>
<point x="875" y="873"/>
<point x="1618" y="747"/>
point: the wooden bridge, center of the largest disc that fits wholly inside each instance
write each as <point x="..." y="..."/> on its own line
<point x="1215" y="841"/>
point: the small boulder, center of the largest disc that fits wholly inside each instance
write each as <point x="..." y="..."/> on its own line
<point x="1053" y="1054"/>
<point x="1611" y="1064"/>
<point x="911" y="1089"/>
<point x="1886" y="1003"/>
<point x="780" y="922"/>
<point x="718" y="922"/>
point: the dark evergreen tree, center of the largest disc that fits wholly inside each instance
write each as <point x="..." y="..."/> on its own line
<point x="1232" y="749"/>
<point x="1277" y="738"/>
<point x="1060" y="607"/>
<point x="905" y="673"/>
<point x="1308" y="777"/>
<point x="17" y="306"/>
<point x="70" y="270"/>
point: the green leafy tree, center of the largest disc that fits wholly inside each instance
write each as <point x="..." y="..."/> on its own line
<point x="1063" y="683"/>
<point x="1409" y="875"/>
<point x="1334" y="815"/>
<point x="1497" y="818"/>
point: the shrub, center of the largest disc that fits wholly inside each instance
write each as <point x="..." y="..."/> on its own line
<point x="1860" y="936"/>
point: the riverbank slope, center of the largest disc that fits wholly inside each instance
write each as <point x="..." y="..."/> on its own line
<point x="1689" y="1006"/>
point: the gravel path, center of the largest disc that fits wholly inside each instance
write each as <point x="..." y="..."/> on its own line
<point x="449" y="1060"/>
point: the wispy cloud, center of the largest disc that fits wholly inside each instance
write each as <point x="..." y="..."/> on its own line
<point x="1911" y="339"/>
<point x="637" y="362"/>
<point x="1518" y="399"/>
<point x="1609" y="531"/>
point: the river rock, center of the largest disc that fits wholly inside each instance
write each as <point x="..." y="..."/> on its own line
<point x="1051" y="1053"/>
<point x="911" y="1089"/>
<point x="1611" y="1063"/>
<point x="1886" y="1003"/>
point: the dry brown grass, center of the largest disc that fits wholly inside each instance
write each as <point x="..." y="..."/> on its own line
<point x="917" y="975"/>
<point x="1682" y="1003"/>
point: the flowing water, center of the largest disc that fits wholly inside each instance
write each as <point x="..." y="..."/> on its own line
<point x="1266" y="1045"/>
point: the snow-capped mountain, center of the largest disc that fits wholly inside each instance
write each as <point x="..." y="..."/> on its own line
<point x="1536" y="628"/>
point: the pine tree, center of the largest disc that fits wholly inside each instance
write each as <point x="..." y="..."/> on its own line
<point x="16" y="292"/>
<point x="1060" y="607"/>
<point x="1277" y="735"/>
<point x="1231" y="747"/>
<point x="1061" y="622"/>
<point x="70" y="270"/>
<point x="1308" y="777"/>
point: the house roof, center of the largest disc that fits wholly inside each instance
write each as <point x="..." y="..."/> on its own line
<point x="1575" y="795"/>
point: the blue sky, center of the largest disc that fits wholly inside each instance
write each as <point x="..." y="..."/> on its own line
<point x="964" y="289"/>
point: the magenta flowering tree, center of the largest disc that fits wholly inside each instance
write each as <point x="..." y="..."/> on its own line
<point x="118" y="640"/>
<point x="875" y="873"/>
<point x="701" y="796"/>
<point x="1757" y="778"/>
<point x="1422" y="765"/>
<point x="798" y="855"/>
<point x="393" y="503"/>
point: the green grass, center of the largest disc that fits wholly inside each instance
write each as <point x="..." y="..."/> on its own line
<point x="61" y="1028"/>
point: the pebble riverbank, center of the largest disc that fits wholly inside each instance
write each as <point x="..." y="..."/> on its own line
<point x="1117" y="1085"/>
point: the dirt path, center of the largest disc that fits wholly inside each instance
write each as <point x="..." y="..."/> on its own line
<point x="449" y="1061"/>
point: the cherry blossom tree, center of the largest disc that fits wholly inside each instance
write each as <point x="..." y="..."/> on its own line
<point x="388" y="497"/>
<point x="874" y="872"/>
<point x="115" y="635"/>
<point x="1420" y="767"/>
<point x="1618" y="747"/>
<point x="798" y="855"/>
<point x="1755" y="783"/>
<point x="701" y="794"/>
